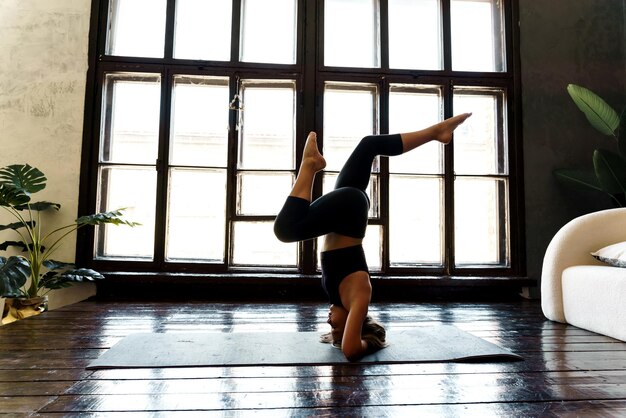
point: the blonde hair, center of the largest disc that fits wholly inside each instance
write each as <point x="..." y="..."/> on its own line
<point x="372" y="332"/>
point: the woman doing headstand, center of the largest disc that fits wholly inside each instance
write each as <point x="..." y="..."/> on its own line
<point x="341" y="216"/>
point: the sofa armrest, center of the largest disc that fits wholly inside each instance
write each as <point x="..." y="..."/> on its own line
<point x="572" y="246"/>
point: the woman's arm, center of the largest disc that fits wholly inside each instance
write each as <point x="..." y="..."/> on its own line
<point x="357" y="291"/>
<point x="352" y="345"/>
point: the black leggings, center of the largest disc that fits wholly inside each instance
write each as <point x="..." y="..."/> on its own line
<point x="343" y="210"/>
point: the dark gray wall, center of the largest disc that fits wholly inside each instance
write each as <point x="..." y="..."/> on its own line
<point x="565" y="41"/>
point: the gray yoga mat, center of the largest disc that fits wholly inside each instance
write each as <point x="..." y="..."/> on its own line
<point x="420" y="344"/>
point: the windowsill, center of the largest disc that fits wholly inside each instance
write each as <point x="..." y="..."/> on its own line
<point x="269" y="287"/>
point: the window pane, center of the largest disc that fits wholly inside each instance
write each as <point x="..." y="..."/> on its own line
<point x="351" y="34"/>
<point x="481" y="221"/>
<point x="130" y="132"/>
<point x="415" y="220"/>
<point x="200" y="121"/>
<point x="203" y="29"/>
<point x="268" y="31"/>
<point x="477" y="35"/>
<point x="412" y="108"/>
<point x="372" y="245"/>
<point x="137" y="28"/>
<point x="480" y="145"/>
<point x="269" y="126"/>
<point x="263" y="193"/>
<point x="349" y="115"/>
<point x="135" y="190"/>
<point x="411" y="20"/>
<point x="256" y="244"/>
<point x="196" y="221"/>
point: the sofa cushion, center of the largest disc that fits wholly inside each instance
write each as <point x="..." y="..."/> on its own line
<point x="614" y="254"/>
<point x="594" y="299"/>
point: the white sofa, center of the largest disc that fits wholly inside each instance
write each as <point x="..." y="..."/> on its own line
<point x="578" y="289"/>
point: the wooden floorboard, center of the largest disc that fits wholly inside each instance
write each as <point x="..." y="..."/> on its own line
<point x="566" y="371"/>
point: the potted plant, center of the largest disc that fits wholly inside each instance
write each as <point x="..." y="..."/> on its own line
<point x="26" y="280"/>
<point x="609" y="167"/>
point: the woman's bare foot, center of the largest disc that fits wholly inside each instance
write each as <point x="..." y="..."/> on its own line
<point x="312" y="156"/>
<point x="443" y="130"/>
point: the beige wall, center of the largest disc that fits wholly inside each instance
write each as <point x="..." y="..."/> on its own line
<point x="43" y="67"/>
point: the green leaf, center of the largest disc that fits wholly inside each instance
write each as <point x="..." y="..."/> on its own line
<point x="50" y="280"/>
<point x="23" y="177"/>
<point x="579" y="179"/>
<point x="12" y="196"/>
<point x="20" y="244"/>
<point x="40" y="206"/>
<point x="69" y="277"/>
<point x="598" y="112"/>
<point x="17" y="225"/>
<point x="621" y="136"/>
<point x="6" y="244"/>
<point x="113" y="217"/>
<point x="14" y="273"/>
<point x="57" y="265"/>
<point x="610" y="169"/>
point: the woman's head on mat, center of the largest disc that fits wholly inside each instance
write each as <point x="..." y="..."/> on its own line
<point x="372" y="331"/>
<point x="337" y="317"/>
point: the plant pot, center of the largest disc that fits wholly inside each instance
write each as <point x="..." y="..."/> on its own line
<point x="20" y="308"/>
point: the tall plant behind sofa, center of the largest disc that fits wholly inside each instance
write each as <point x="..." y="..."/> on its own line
<point x="609" y="167"/>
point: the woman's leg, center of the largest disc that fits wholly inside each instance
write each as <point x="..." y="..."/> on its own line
<point x="298" y="220"/>
<point x="441" y="132"/>
<point x="312" y="162"/>
<point x="357" y="169"/>
<point x="342" y="213"/>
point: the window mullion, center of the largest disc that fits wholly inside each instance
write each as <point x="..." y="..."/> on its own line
<point x="170" y="18"/>
<point x="384" y="173"/>
<point x="384" y="34"/>
<point x="446" y="24"/>
<point x="306" y="114"/>
<point x="162" y="167"/>
<point x="235" y="43"/>
<point x="231" y="172"/>
<point x="449" y="177"/>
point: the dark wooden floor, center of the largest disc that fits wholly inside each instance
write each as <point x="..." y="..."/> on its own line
<point x="566" y="371"/>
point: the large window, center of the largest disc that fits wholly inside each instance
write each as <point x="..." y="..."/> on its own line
<point x="199" y="109"/>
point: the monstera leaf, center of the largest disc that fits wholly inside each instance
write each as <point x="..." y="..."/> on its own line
<point x="63" y="274"/>
<point x="19" y="244"/>
<point x="54" y="265"/>
<point x="23" y="177"/>
<point x="55" y="280"/>
<point x="40" y="206"/>
<point x="12" y="196"/>
<point x="14" y="272"/>
<point x="113" y="217"/>
<point x="17" y="225"/>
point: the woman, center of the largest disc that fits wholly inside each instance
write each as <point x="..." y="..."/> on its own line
<point x="341" y="216"/>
